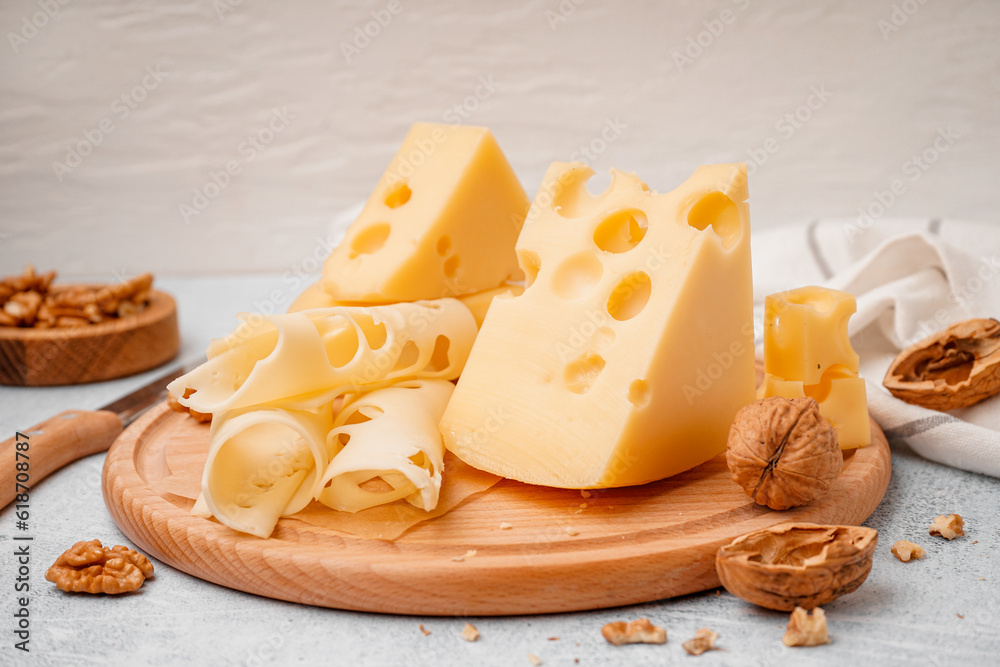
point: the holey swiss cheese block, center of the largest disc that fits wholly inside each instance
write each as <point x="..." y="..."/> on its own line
<point x="442" y="222"/>
<point x="630" y="350"/>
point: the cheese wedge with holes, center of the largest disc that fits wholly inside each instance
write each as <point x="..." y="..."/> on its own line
<point x="442" y="222"/>
<point x="386" y="446"/>
<point x="631" y="349"/>
<point x="807" y="352"/>
<point x="478" y="302"/>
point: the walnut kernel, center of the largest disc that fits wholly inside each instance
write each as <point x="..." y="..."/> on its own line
<point x="89" y="567"/>
<point x="470" y="633"/>
<point x="805" y="629"/>
<point x="175" y="405"/>
<point x="29" y="300"/>
<point x="639" y="631"/>
<point x="948" y="526"/>
<point x="783" y="452"/>
<point x="703" y="640"/>
<point x="907" y="551"/>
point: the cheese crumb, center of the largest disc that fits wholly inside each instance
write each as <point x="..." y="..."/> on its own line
<point x="424" y="630"/>
<point x="585" y="494"/>
<point x="572" y="531"/>
<point x="583" y="506"/>
<point x="534" y="659"/>
<point x="470" y="633"/>
<point x="468" y="554"/>
<point x="505" y="526"/>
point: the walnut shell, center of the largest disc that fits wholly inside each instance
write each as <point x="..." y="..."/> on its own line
<point x="955" y="368"/>
<point x="796" y="564"/>
<point x="783" y="452"/>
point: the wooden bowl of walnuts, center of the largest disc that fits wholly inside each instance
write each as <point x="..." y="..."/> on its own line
<point x="72" y="334"/>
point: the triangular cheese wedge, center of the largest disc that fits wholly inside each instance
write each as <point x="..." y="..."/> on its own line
<point x="630" y="350"/>
<point x="442" y="222"/>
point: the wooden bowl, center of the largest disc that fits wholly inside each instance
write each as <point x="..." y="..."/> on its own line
<point x="104" y="351"/>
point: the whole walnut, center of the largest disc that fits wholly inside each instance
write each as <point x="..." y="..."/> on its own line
<point x="783" y="452"/>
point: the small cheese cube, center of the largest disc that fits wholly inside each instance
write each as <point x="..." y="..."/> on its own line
<point x="807" y="352"/>
<point x="805" y="333"/>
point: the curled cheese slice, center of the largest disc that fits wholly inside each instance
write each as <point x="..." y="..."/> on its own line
<point x="393" y="448"/>
<point x="263" y="464"/>
<point x="477" y="302"/>
<point x="304" y="360"/>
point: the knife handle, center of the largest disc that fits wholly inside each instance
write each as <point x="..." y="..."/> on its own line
<point x="52" y="444"/>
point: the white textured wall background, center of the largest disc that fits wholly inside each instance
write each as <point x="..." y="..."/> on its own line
<point x="555" y="85"/>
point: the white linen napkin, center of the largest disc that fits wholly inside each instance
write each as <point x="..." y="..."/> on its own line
<point x="911" y="278"/>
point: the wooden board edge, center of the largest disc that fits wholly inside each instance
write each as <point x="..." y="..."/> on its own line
<point x="152" y="524"/>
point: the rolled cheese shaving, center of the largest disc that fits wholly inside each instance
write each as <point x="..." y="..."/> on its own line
<point x="304" y="360"/>
<point x="393" y="437"/>
<point x="263" y="464"/>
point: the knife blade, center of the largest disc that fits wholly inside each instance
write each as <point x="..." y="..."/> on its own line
<point x="33" y="454"/>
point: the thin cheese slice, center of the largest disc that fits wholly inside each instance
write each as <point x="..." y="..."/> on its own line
<point x="305" y="360"/>
<point x="391" y="437"/>
<point x="263" y="464"/>
<point x="479" y="302"/>
<point x="631" y="349"/>
<point x="442" y="222"/>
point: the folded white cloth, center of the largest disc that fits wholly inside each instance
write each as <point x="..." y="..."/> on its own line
<point x="911" y="278"/>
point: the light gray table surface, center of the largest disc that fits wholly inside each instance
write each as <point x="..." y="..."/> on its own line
<point x="942" y="610"/>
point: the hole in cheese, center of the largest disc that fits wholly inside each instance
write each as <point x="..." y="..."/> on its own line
<point x="638" y="393"/>
<point x="629" y="296"/>
<point x="571" y="196"/>
<point x="376" y="485"/>
<point x="369" y="240"/>
<point x="721" y="213"/>
<point x="398" y="196"/>
<point x="375" y="333"/>
<point x="581" y="374"/>
<point x="420" y="460"/>
<point x="621" y="231"/>
<point x="451" y="266"/>
<point x="577" y="275"/>
<point x="439" y="357"/>
<point x="336" y="442"/>
<point x="530" y="263"/>
<point x="821" y="390"/>
<point x="341" y="345"/>
<point x="443" y="245"/>
<point x="820" y="300"/>
<point x="408" y="357"/>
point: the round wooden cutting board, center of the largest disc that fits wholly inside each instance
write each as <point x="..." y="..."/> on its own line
<point x="626" y="546"/>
